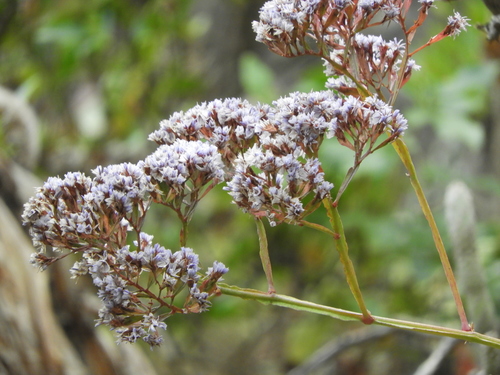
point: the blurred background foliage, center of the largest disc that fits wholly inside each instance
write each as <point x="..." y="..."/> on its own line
<point x="101" y="74"/>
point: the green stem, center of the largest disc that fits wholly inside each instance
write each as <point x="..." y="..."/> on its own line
<point x="183" y="233"/>
<point x="349" y="176"/>
<point x="343" y="250"/>
<point x="318" y="227"/>
<point x="300" y="305"/>
<point x="404" y="154"/>
<point x="264" y="255"/>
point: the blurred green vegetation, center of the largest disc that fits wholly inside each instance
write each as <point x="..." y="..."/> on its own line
<point x="135" y="53"/>
<point x="141" y="56"/>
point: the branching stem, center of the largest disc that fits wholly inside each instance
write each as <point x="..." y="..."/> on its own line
<point x="300" y="305"/>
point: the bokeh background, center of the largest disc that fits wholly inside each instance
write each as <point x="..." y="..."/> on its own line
<point x="83" y="83"/>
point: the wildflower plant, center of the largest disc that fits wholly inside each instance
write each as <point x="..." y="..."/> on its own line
<point x="266" y="156"/>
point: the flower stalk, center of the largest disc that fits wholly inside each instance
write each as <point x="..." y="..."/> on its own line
<point x="405" y="157"/>
<point x="264" y="255"/>
<point x="343" y="250"/>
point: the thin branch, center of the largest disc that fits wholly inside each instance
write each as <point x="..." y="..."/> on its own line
<point x="346" y="315"/>
<point x="318" y="227"/>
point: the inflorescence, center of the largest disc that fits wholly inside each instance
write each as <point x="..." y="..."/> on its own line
<point x="267" y="156"/>
<point x="331" y="29"/>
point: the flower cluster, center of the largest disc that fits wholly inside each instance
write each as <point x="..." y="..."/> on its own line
<point x="361" y="123"/>
<point x="135" y="311"/>
<point x="268" y="156"/>
<point x="288" y="27"/>
<point x="376" y="60"/>
<point x="304" y="119"/>
<point x="273" y="186"/>
<point x="282" y="22"/>
<point x="76" y="212"/>
<point x="274" y="177"/>
<point x="123" y="191"/>
<point x="58" y="214"/>
<point x="231" y="125"/>
<point x="183" y="169"/>
<point x="269" y="153"/>
<point x="94" y="216"/>
<point x="284" y="25"/>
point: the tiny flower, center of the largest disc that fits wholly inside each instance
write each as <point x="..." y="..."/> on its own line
<point x="411" y="65"/>
<point x="198" y="302"/>
<point x="217" y="270"/>
<point x="342" y="84"/>
<point x="150" y="323"/>
<point x="391" y="10"/>
<point x="153" y="339"/>
<point x="369" y="5"/>
<point x="80" y="268"/>
<point x="341" y="4"/>
<point x="456" y="24"/>
<point x="426" y="4"/>
<point x="147" y="331"/>
<point x="130" y="334"/>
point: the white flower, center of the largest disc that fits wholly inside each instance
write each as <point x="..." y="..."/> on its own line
<point x="457" y="23"/>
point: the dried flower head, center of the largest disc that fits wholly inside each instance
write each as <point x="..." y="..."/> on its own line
<point x="58" y="214"/>
<point x="300" y="121"/>
<point x="333" y="31"/>
<point x="93" y="217"/>
<point x="456" y="24"/>
<point x="136" y="311"/>
<point x="277" y="186"/>
<point x="182" y="171"/>
<point x="231" y="125"/>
